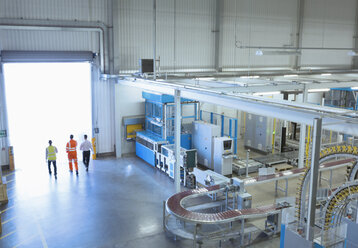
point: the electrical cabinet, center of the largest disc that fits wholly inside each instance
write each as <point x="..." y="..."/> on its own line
<point x="258" y="133"/>
<point x="202" y="140"/>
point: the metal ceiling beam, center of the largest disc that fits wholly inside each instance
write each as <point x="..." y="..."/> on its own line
<point x="272" y="86"/>
<point x="284" y="110"/>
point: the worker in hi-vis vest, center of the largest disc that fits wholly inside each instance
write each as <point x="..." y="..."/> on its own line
<point x="51" y="158"/>
<point x="71" y="149"/>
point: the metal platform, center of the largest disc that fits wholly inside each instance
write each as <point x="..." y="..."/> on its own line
<point x="272" y="159"/>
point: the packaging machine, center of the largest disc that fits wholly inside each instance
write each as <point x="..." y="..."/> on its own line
<point x="154" y="144"/>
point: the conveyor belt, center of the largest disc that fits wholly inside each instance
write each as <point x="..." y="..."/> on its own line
<point x="175" y="207"/>
<point x="295" y="172"/>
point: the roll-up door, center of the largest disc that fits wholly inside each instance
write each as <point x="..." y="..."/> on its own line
<point x="46" y="56"/>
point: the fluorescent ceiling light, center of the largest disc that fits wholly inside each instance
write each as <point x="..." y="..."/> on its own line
<point x="266" y="93"/>
<point x="318" y="90"/>
<point x="352" y="53"/>
<point x="354" y="88"/>
<point x="290" y="75"/>
<point x="206" y="78"/>
<point x="326" y="74"/>
<point x="259" y="52"/>
<point x="250" y="77"/>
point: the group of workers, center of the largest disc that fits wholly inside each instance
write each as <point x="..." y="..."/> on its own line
<point x="71" y="149"/>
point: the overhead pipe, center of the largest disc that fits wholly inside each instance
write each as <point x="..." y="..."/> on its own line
<point x="296" y="48"/>
<point x="77" y="26"/>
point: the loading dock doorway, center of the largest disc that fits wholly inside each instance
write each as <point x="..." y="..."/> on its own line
<point x="47" y="101"/>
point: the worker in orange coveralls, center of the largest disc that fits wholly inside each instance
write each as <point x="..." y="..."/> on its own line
<point x="71" y="149"/>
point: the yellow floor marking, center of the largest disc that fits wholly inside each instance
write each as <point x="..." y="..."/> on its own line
<point x="10" y="233"/>
<point x="6" y="209"/>
<point x="6" y="221"/>
<point x="26" y="240"/>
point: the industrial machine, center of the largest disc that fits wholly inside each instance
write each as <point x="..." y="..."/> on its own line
<point x="188" y="161"/>
<point x="223" y="155"/>
<point x="203" y="141"/>
<point x="336" y="212"/>
<point x="159" y="131"/>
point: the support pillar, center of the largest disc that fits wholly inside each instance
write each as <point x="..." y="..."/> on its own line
<point x="301" y="149"/>
<point x="155" y="39"/>
<point x="4" y="141"/>
<point x="177" y="127"/>
<point x="317" y="131"/>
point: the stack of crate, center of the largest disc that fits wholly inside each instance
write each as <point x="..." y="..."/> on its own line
<point x="3" y="194"/>
<point x="3" y="198"/>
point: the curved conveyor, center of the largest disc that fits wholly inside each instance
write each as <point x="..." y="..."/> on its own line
<point x="174" y="206"/>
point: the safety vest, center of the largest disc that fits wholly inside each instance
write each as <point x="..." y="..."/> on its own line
<point x="51" y="153"/>
<point x="71" y="146"/>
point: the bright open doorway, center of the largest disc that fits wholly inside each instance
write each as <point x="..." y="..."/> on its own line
<point x="47" y="101"/>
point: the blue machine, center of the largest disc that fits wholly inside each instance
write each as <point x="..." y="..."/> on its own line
<point x="159" y="125"/>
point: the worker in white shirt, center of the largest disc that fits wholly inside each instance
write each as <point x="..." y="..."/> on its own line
<point x="86" y="148"/>
<point x="51" y="157"/>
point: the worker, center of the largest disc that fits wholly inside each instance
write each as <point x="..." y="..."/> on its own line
<point x="71" y="149"/>
<point x="86" y="148"/>
<point x="51" y="158"/>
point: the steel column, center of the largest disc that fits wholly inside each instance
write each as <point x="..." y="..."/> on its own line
<point x="155" y="39"/>
<point x="219" y="8"/>
<point x="4" y="142"/>
<point x="299" y="29"/>
<point x="355" y="39"/>
<point x="177" y="128"/>
<point x="301" y="150"/>
<point x="317" y="125"/>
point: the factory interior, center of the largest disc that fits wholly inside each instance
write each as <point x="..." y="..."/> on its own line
<point x="209" y="123"/>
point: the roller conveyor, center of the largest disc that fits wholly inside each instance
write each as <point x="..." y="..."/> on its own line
<point x="174" y="206"/>
<point x="296" y="172"/>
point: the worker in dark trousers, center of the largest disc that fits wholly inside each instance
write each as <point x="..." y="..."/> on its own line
<point x="86" y="148"/>
<point x="51" y="157"/>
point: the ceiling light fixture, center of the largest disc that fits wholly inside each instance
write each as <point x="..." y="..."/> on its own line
<point x="206" y="78"/>
<point x="259" y="52"/>
<point x="266" y="93"/>
<point x="290" y="75"/>
<point x="354" y="88"/>
<point x="352" y="53"/>
<point x="319" y="90"/>
<point x="250" y="77"/>
<point x="326" y="74"/>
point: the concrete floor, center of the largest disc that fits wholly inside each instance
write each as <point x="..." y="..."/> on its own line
<point x="118" y="203"/>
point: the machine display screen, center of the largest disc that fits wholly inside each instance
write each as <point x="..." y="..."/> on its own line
<point x="227" y="144"/>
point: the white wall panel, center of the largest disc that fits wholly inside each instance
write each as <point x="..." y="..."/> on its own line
<point x="190" y="22"/>
<point x="48" y="40"/>
<point x="64" y="10"/>
<point x="257" y="23"/>
<point x="328" y="23"/>
<point x="81" y="10"/>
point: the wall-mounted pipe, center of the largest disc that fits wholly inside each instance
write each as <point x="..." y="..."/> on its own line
<point x="76" y="26"/>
